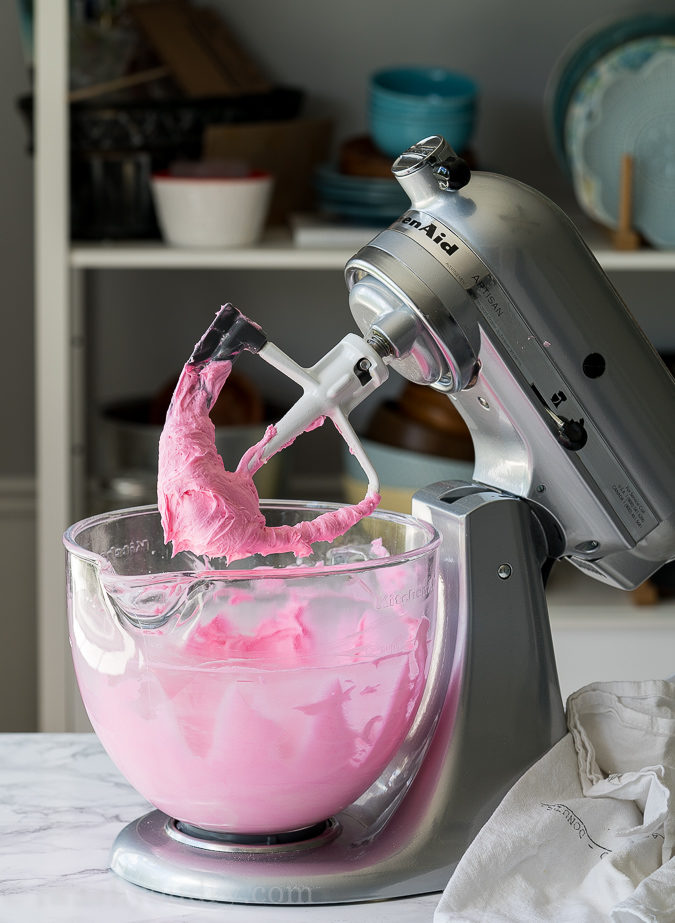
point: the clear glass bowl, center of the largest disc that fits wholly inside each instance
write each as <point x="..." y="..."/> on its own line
<point x="259" y="697"/>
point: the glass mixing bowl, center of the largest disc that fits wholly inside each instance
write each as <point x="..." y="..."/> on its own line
<point x="259" y="697"/>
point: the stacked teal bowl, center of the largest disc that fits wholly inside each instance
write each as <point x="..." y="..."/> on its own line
<point x="410" y="103"/>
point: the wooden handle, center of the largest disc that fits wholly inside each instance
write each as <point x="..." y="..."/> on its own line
<point x="625" y="238"/>
<point x="120" y="83"/>
<point x="626" y="193"/>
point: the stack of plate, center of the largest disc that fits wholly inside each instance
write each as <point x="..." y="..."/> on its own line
<point x="613" y="93"/>
<point x="360" y="199"/>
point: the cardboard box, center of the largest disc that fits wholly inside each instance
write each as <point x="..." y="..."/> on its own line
<point x="289" y="150"/>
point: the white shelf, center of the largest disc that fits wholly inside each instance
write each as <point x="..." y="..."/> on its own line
<point x="645" y="259"/>
<point x="277" y="251"/>
<point x="635" y="260"/>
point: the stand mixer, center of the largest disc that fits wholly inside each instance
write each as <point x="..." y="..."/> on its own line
<point x="485" y="291"/>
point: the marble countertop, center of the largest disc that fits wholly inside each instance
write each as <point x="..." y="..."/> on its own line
<point x="62" y="803"/>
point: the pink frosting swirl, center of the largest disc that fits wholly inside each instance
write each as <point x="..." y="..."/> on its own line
<point x="210" y="511"/>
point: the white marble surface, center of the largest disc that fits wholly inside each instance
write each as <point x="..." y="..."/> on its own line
<point x="62" y="803"/>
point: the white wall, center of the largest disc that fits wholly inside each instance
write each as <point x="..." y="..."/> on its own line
<point x="143" y="324"/>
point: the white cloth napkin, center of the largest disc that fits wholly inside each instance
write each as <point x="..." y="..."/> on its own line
<point x="588" y="833"/>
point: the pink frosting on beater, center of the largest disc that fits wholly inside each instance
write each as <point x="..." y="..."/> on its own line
<point x="210" y="511"/>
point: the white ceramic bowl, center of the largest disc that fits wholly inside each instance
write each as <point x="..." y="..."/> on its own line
<point x="212" y="212"/>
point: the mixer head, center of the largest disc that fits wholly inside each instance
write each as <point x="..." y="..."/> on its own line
<point x="485" y="290"/>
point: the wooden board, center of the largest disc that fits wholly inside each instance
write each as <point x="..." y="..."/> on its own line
<point x="289" y="150"/>
<point x="195" y="44"/>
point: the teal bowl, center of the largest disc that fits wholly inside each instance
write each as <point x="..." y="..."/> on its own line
<point x="392" y="135"/>
<point x="436" y="86"/>
<point x="420" y="107"/>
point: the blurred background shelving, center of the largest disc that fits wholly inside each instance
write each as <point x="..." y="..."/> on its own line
<point x="114" y="318"/>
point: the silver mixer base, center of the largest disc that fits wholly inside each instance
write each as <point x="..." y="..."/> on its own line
<point x="330" y="867"/>
<point x="501" y="712"/>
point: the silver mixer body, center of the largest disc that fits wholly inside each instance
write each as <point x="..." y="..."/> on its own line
<point x="491" y="708"/>
<point x="488" y="292"/>
<point x="483" y="289"/>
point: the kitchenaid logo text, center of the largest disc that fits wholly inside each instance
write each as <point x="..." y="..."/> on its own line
<point x="453" y="253"/>
<point x="132" y="547"/>
<point x="389" y="600"/>
<point x="432" y="232"/>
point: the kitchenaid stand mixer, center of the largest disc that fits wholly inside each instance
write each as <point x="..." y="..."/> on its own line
<point x="483" y="290"/>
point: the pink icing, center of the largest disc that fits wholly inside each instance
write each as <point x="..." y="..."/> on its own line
<point x="266" y="701"/>
<point x="266" y="704"/>
<point x="210" y="511"/>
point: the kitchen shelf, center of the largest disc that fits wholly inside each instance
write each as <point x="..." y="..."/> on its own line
<point x="644" y="259"/>
<point x="277" y="251"/>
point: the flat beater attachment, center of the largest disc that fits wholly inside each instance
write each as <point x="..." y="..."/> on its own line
<point x="332" y="388"/>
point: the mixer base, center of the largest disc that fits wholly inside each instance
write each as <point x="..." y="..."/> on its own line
<point x="381" y="848"/>
<point x="161" y="854"/>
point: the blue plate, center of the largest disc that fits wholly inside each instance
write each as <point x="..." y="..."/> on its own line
<point x="628" y="107"/>
<point x="579" y="57"/>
